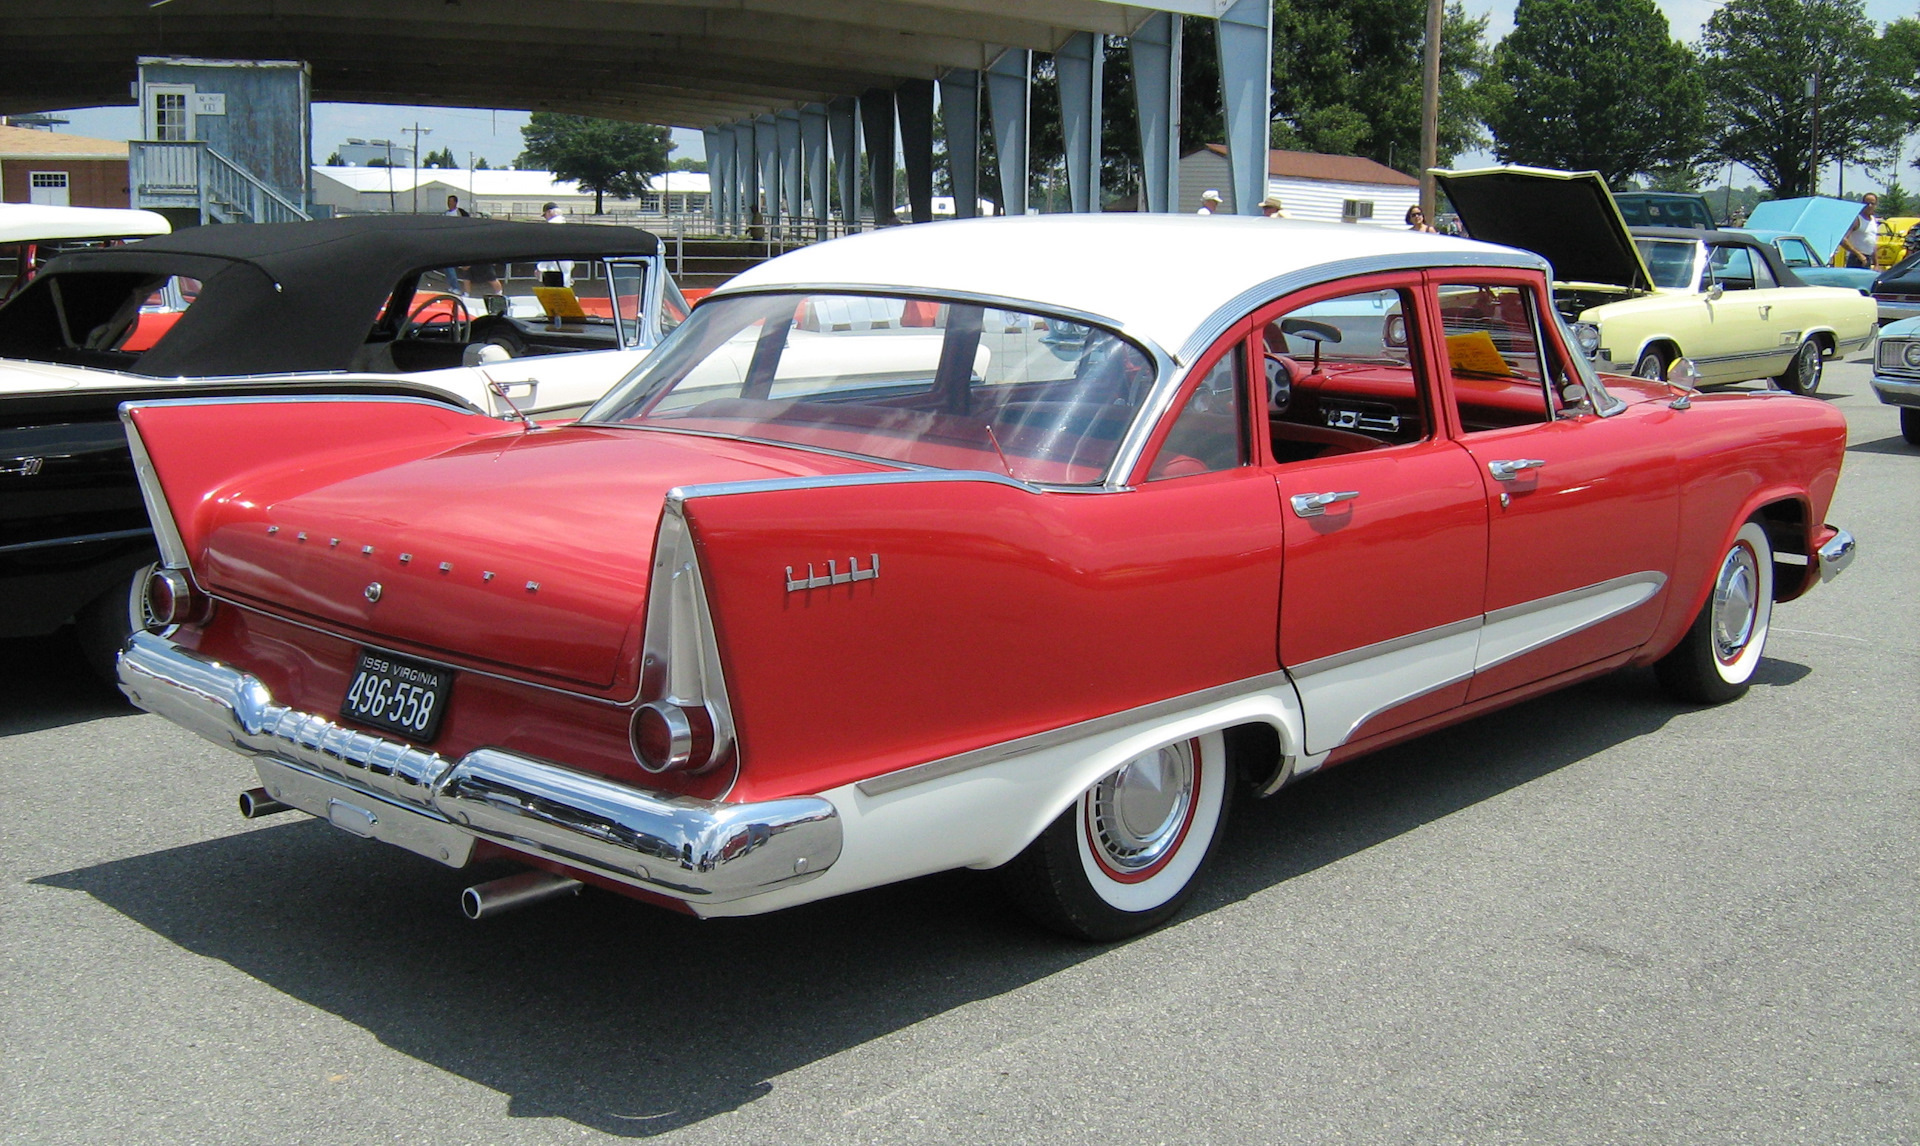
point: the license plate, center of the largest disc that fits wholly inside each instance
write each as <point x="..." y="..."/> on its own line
<point x="398" y="695"/>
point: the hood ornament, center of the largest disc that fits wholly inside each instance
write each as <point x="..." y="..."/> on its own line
<point x="372" y="591"/>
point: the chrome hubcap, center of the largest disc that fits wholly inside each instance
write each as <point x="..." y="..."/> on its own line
<point x="1139" y="811"/>
<point x="1735" y="602"/>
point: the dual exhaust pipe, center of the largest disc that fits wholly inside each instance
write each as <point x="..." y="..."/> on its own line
<point x="482" y="900"/>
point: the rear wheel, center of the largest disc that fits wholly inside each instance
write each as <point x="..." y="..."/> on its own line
<point x="1128" y="853"/>
<point x="104" y="624"/>
<point x="1910" y="424"/>
<point x="1803" y="373"/>
<point x="1715" y="661"/>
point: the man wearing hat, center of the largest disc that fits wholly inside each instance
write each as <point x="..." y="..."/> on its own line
<point x="1209" y="199"/>
<point x="1271" y="208"/>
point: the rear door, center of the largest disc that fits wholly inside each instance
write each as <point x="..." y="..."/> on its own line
<point x="1384" y="518"/>
<point x="1583" y="510"/>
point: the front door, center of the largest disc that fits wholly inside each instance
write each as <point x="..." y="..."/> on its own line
<point x="1582" y="509"/>
<point x="1383" y="516"/>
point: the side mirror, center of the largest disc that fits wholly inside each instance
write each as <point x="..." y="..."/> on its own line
<point x="1684" y="372"/>
<point x="1714" y="292"/>
<point x="1395" y="334"/>
<point x="496" y="304"/>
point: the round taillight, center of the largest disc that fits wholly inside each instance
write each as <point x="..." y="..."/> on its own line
<point x="669" y="738"/>
<point x="170" y="599"/>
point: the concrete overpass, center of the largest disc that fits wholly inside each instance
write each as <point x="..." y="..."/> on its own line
<point x="775" y="84"/>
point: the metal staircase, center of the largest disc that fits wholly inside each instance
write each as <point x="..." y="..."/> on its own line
<point x="196" y="176"/>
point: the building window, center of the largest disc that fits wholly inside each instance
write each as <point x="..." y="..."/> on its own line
<point x="1355" y="210"/>
<point x="169" y="116"/>
<point x="47" y="187"/>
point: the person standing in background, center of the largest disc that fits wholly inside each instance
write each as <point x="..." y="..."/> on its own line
<point x="1417" y="221"/>
<point x="1864" y="234"/>
<point x="552" y="214"/>
<point x="1209" y="202"/>
<point x="1271" y="208"/>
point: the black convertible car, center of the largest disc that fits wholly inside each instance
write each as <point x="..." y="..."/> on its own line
<point x="476" y="313"/>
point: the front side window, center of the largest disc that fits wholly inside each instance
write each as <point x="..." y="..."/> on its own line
<point x="948" y="385"/>
<point x="1342" y="376"/>
<point x="1494" y="355"/>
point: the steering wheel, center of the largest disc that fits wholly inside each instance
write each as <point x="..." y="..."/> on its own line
<point x="459" y="324"/>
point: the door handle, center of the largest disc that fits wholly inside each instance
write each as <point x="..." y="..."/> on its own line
<point x="1508" y="470"/>
<point x="1315" y="504"/>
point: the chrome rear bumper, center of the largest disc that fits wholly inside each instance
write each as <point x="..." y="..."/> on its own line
<point x="697" y="850"/>
<point x="1835" y="555"/>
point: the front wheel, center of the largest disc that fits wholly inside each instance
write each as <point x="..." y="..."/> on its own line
<point x="1714" y="662"/>
<point x="1910" y="424"/>
<point x="1128" y="853"/>
<point x="1803" y="373"/>
<point x="1652" y="365"/>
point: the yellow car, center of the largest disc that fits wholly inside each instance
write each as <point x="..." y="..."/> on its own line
<point x="1892" y="245"/>
<point x="1640" y="300"/>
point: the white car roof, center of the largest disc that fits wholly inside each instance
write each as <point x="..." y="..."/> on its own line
<point x="36" y="222"/>
<point x="1175" y="280"/>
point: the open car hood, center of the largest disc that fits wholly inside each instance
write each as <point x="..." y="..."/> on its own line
<point x="1566" y="217"/>
<point x="1820" y="220"/>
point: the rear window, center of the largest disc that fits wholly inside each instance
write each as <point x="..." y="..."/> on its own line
<point x="943" y="384"/>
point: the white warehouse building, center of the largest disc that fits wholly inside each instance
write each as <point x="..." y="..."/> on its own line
<point x="1310" y="186"/>
<point x="500" y="194"/>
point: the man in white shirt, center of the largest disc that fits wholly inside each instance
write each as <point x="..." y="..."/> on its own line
<point x="551" y="213"/>
<point x="1864" y="234"/>
<point x="1209" y="201"/>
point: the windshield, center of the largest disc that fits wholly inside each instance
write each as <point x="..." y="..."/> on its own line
<point x="1670" y="262"/>
<point x="947" y="385"/>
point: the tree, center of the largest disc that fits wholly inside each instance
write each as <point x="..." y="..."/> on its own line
<point x="605" y="156"/>
<point x="1346" y="78"/>
<point x="334" y="160"/>
<point x="687" y="163"/>
<point x="1798" y="84"/>
<point x="1597" y="85"/>
<point x="442" y="158"/>
<point x="480" y="164"/>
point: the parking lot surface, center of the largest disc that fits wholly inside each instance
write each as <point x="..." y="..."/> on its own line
<point x="1598" y="917"/>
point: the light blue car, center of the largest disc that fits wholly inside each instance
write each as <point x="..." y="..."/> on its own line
<point x="1896" y="373"/>
<point x="1807" y="232"/>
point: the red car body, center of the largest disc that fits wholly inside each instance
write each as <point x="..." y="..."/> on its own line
<point x="867" y="653"/>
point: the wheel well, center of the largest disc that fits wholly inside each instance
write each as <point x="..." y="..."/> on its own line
<point x="1786" y="525"/>
<point x="1255" y="752"/>
<point x="1825" y="341"/>
<point x="1667" y="350"/>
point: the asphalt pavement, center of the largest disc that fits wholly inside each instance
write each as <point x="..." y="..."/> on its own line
<point x="1599" y="917"/>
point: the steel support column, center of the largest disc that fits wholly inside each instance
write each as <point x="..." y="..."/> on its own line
<point x="1155" y="49"/>
<point x="1079" y="64"/>
<point x="746" y="177"/>
<point x="1246" y="88"/>
<point x="766" y="144"/>
<point x="792" y="176"/>
<point x="914" y="98"/>
<point x="813" y="150"/>
<point x="719" y="173"/>
<point x="876" y="123"/>
<point x="1010" y="94"/>
<point x="960" y="113"/>
<point x="843" y="124"/>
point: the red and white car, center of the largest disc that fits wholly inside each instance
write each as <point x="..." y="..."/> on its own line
<point x="1018" y="543"/>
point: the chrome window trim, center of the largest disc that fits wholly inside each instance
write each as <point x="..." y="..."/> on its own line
<point x="173" y="550"/>
<point x="681" y="494"/>
<point x="81" y="539"/>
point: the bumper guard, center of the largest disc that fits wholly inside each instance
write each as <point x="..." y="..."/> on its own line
<point x="697" y="850"/>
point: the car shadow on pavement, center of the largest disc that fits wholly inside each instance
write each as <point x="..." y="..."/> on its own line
<point x="46" y="684"/>
<point x="1893" y="445"/>
<point x="636" y="1021"/>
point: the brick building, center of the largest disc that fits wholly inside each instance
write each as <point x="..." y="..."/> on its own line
<point x="61" y="170"/>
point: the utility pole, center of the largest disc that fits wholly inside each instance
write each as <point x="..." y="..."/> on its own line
<point x="1430" y="109"/>
<point x="417" y="131"/>
<point x="1813" y="141"/>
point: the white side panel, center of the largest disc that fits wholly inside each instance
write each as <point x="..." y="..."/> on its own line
<point x="1523" y="628"/>
<point x="984" y="816"/>
<point x="1342" y="692"/>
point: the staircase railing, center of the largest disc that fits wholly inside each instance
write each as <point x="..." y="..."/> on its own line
<point x="192" y="174"/>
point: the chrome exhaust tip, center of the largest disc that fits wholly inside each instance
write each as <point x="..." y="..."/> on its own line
<point x="258" y="802"/>
<point x="483" y="900"/>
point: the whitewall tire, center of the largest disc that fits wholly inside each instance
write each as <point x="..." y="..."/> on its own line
<point x="1717" y="658"/>
<point x="1125" y="856"/>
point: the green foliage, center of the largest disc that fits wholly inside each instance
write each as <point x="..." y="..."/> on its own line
<point x="1896" y="202"/>
<point x="1758" y="57"/>
<point x="480" y="164"/>
<point x="687" y="163"/>
<point x="442" y="158"/>
<point x="1597" y="85"/>
<point x="1347" y="78"/>
<point x="334" y="160"/>
<point x="605" y="156"/>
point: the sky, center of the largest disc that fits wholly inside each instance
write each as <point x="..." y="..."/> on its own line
<point x="496" y="135"/>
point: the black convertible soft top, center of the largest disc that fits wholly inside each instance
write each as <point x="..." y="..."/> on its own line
<point x="279" y="297"/>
